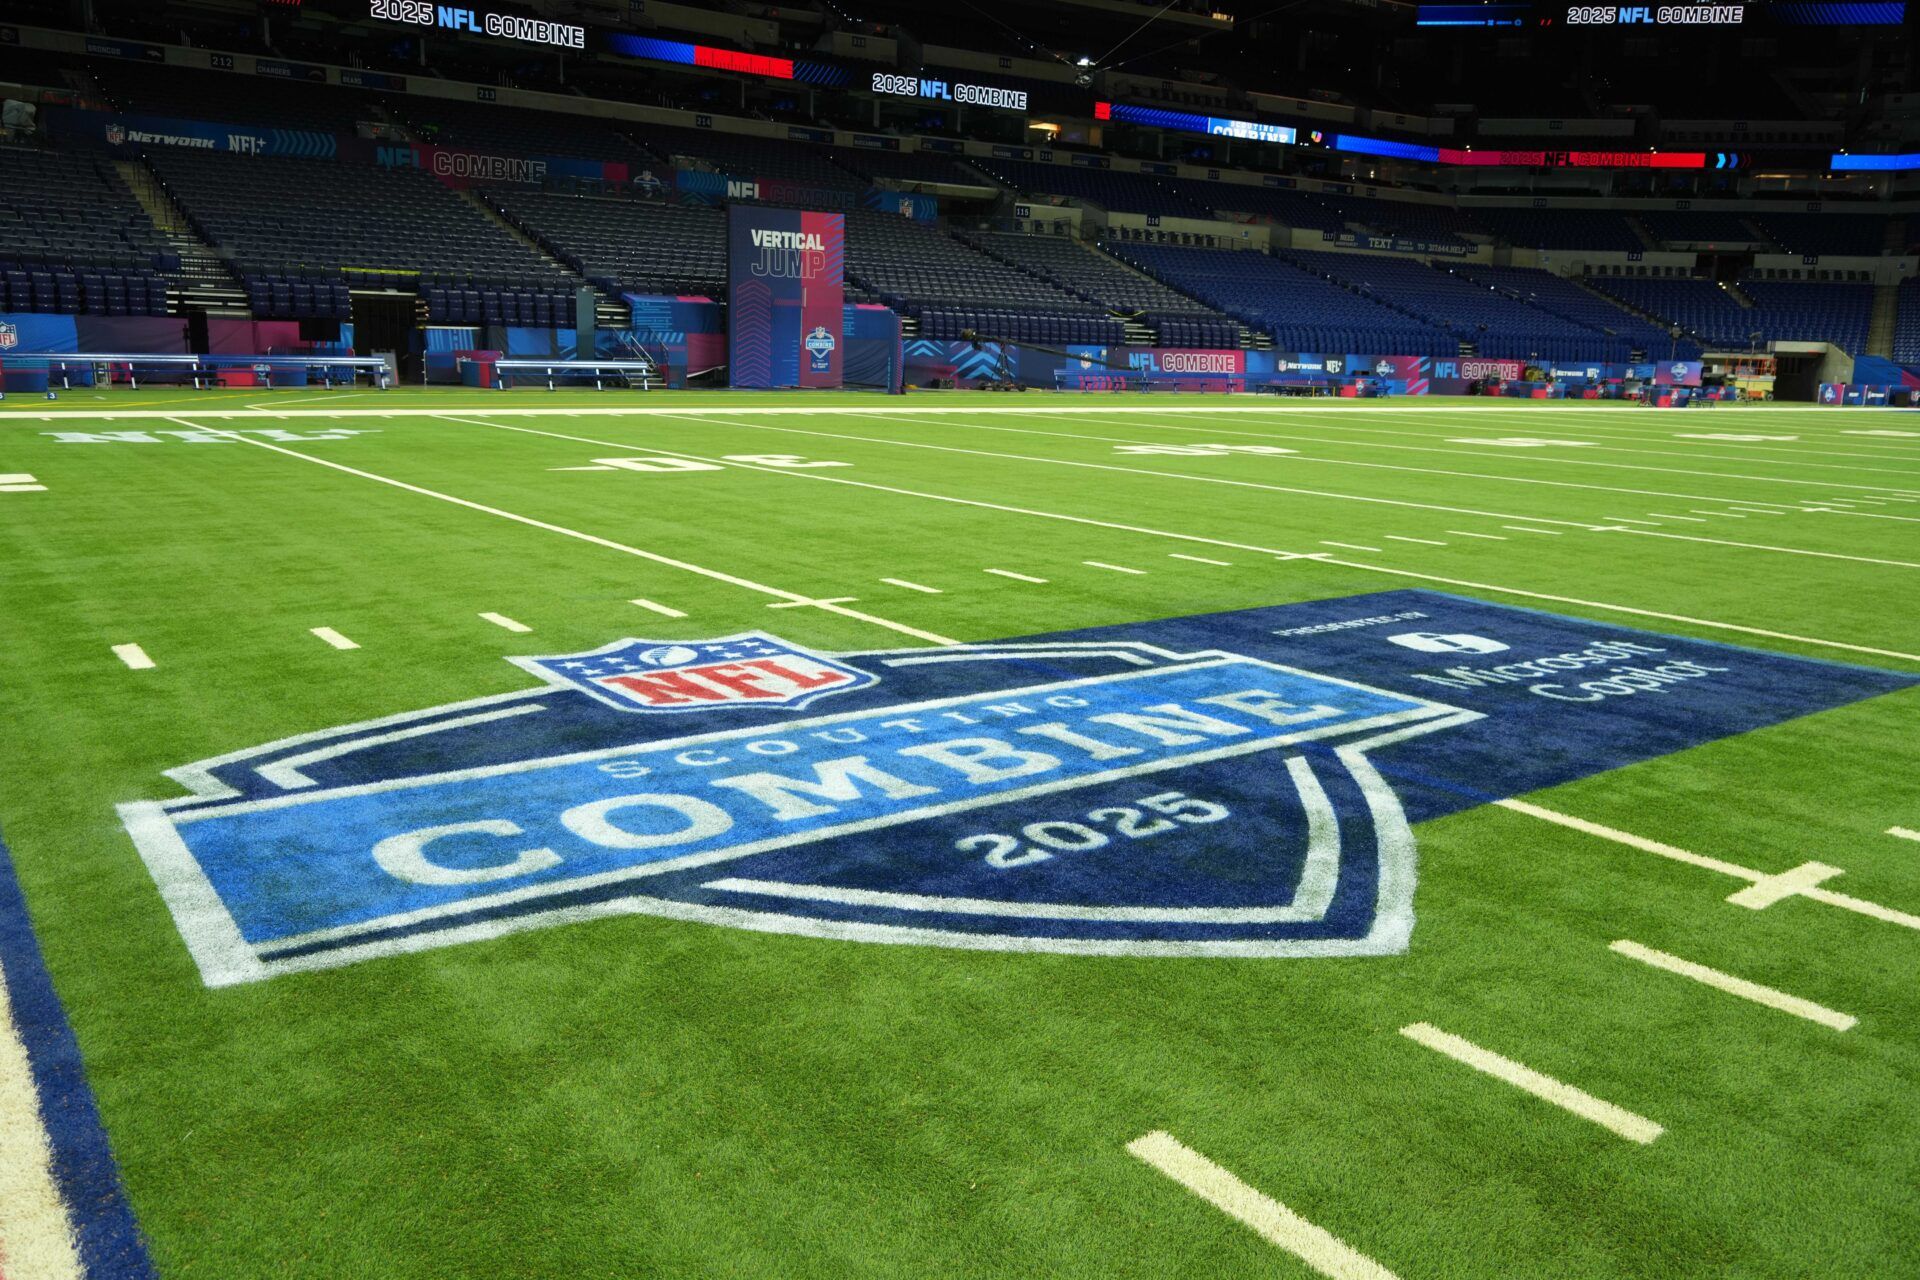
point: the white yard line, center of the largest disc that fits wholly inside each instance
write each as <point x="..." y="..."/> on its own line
<point x="715" y="574"/>
<point x="1634" y="1128"/>
<point x="1017" y="577"/>
<point x="1425" y="542"/>
<point x="1115" y="568"/>
<point x="23" y="488"/>
<point x="1317" y="1247"/>
<point x="1625" y="520"/>
<point x="1905" y="833"/>
<point x="1731" y="515"/>
<point x="506" y="623"/>
<point x="1668" y="516"/>
<point x="1490" y="537"/>
<point x="1790" y="551"/>
<point x="1181" y="555"/>
<point x="660" y="609"/>
<point x="911" y="586"/>
<point x="1243" y="546"/>
<point x="1533" y="520"/>
<point x="1763" y="889"/>
<point x="134" y="656"/>
<point x="1299" y="457"/>
<point x="1349" y="546"/>
<point x="334" y="638"/>
<point x="1768" y="996"/>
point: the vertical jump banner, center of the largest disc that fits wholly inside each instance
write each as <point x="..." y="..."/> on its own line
<point x="786" y="276"/>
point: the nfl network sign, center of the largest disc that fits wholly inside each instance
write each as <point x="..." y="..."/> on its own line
<point x="1235" y="785"/>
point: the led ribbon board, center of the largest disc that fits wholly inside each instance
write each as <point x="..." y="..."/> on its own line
<point x="1842" y="163"/>
<point x="500" y="26"/>
<point x="1187" y="122"/>
<point x="1533" y="159"/>
<point x="976" y="95"/>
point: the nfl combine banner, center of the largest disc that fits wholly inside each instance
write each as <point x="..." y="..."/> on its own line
<point x="787" y="290"/>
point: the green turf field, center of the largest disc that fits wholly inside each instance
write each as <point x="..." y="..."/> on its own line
<point x="636" y="1095"/>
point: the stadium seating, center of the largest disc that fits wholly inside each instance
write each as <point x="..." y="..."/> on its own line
<point x="1303" y="311"/>
<point x="1824" y="233"/>
<point x="215" y="95"/>
<point x="393" y="228"/>
<point x="623" y="244"/>
<point x="1813" y="312"/>
<point x="501" y="131"/>
<point x="1120" y="289"/>
<point x="1677" y="226"/>
<point x="1283" y="204"/>
<point x="1494" y="322"/>
<point x="952" y="286"/>
<point x="1906" y="333"/>
<point x="1123" y="192"/>
<point x="905" y="166"/>
<point x="1803" y="312"/>
<point x="1561" y="228"/>
<point x="1701" y="307"/>
<point x="74" y="240"/>
<point x="749" y="157"/>
<point x="1568" y="300"/>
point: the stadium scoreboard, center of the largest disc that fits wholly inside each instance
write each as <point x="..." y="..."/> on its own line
<point x="1701" y="14"/>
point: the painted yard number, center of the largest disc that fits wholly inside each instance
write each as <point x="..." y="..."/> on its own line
<point x="669" y="465"/>
<point x="1200" y="450"/>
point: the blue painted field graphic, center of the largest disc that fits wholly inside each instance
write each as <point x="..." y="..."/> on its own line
<point x="1234" y="784"/>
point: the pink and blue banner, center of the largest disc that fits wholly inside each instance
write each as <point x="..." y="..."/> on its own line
<point x="786" y="271"/>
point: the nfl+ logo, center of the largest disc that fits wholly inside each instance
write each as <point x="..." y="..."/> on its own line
<point x="752" y="669"/>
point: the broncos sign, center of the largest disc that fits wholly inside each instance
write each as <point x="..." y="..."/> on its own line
<point x="1230" y="785"/>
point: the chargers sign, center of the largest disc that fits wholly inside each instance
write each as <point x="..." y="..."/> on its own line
<point x="1233" y="785"/>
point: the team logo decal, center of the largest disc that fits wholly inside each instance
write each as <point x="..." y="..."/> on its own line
<point x="1236" y="785"/>
<point x="9" y="335"/>
<point x="752" y="669"/>
<point x="820" y="345"/>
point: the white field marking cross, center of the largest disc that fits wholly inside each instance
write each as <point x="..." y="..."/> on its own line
<point x="1271" y="1220"/>
<point x="805" y="604"/>
<point x="1763" y="890"/>
<point x="1618" y="1120"/>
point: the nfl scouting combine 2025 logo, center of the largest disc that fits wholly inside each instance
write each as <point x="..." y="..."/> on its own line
<point x="1236" y="785"/>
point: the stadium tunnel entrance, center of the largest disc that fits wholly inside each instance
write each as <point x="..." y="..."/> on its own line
<point x="387" y="322"/>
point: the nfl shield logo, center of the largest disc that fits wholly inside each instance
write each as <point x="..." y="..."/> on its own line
<point x="115" y="135"/>
<point x="9" y="335"/>
<point x="752" y="669"/>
